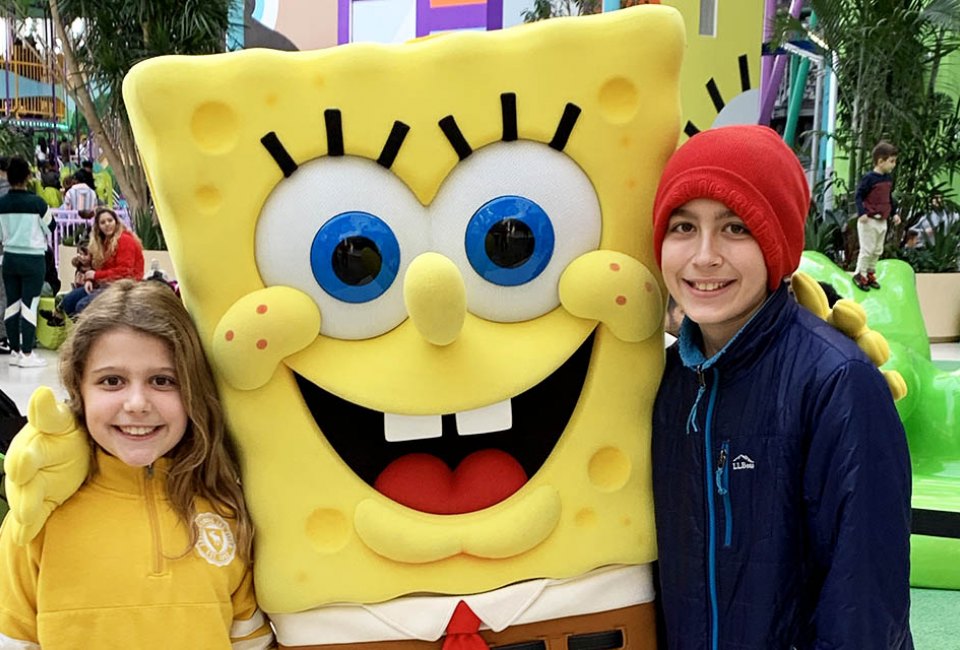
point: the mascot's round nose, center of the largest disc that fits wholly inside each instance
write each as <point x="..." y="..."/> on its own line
<point x="435" y="297"/>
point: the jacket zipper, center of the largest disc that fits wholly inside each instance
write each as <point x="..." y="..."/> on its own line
<point x="153" y="519"/>
<point x="711" y="506"/>
<point x="723" y="489"/>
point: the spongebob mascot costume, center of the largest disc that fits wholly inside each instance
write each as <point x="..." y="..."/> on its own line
<point x="423" y="274"/>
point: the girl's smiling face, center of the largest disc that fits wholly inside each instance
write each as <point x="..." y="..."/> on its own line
<point x="131" y="396"/>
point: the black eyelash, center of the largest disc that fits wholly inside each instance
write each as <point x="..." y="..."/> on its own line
<point x="571" y="113"/>
<point x="508" y="106"/>
<point x="332" y="120"/>
<point x="392" y="146"/>
<point x="450" y="129"/>
<point x="279" y="153"/>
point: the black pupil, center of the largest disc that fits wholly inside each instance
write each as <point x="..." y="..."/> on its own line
<point x="509" y="243"/>
<point x="356" y="261"/>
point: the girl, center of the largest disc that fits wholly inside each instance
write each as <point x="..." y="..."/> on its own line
<point x="117" y="253"/>
<point x="154" y="550"/>
<point x="781" y="478"/>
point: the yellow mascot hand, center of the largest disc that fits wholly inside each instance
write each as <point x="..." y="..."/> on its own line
<point x="47" y="462"/>
<point x="849" y="317"/>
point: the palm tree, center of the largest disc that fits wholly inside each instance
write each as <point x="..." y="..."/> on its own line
<point x="101" y="40"/>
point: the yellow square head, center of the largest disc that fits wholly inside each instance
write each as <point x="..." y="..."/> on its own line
<point x="421" y="273"/>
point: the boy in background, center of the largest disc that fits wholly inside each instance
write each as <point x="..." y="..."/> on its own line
<point x="875" y="206"/>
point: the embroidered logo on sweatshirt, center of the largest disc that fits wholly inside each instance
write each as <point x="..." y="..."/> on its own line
<point x="743" y="462"/>
<point x="215" y="542"/>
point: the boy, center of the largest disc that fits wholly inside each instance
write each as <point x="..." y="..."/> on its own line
<point x="875" y="205"/>
<point x="781" y="477"/>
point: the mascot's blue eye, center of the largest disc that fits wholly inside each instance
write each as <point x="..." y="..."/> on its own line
<point x="355" y="257"/>
<point x="509" y="240"/>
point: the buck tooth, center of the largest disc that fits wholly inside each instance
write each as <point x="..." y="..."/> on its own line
<point x="487" y="419"/>
<point x="399" y="428"/>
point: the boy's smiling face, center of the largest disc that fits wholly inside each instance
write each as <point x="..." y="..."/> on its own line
<point x="714" y="269"/>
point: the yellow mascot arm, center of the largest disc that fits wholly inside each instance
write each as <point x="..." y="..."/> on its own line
<point x="616" y="290"/>
<point x="259" y="331"/>
<point x="849" y="317"/>
<point x="47" y="462"/>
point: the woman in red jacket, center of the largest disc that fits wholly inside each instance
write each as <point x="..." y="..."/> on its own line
<point x="117" y="253"/>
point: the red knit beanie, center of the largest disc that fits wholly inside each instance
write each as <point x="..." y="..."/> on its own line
<point x="755" y="174"/>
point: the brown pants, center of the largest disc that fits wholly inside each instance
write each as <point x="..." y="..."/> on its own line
<point x="630" y="628"/>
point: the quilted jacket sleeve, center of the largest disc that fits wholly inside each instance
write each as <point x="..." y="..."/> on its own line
<point x="857" y="491"/>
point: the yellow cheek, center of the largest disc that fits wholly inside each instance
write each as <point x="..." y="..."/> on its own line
<point x="616" y="290"/>
<point x="259" y="331"/>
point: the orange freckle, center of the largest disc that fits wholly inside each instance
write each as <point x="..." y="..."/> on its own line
<point x="614" y="266"/>
<point x="621" y="300"/>
<point x="261" y="309"/>
<point x="261" y="344"/>
<point x="229" y="335"/>
<point x="648" y="287"/>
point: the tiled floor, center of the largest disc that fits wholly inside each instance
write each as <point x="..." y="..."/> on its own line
<point x="19" y="383"/>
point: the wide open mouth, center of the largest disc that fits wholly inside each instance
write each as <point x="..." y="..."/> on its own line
<point x="453" y="473"/>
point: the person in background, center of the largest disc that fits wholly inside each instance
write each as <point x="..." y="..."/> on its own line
<point x="875" y="207"/>
<point x="781" y="476"/>
<point x="24" y="222"/>
<point x="80" y="196"/>
<point x="4" y="188"/>
<point x="117" y="253"/>
<point x="49" y="176"/>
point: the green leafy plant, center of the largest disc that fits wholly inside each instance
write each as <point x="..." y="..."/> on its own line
<point x="543" y="9"/>
<point x="14" y="141"/>
<point x="149" y="232"/>
<point x="100" y="41"/>
<point x="887" y="56"/>
<point x="825" y="226"/>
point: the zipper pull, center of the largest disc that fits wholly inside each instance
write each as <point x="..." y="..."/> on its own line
<point x="721" y="463"/>
<point x="150" y="471"/>
<point x="692" y="417"/>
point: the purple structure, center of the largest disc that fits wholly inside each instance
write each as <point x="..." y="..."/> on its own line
<point x="488" y="15"/>
<point x="770" y="81"/>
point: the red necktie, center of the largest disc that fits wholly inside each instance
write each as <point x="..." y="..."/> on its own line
<point x="462" y="630"/>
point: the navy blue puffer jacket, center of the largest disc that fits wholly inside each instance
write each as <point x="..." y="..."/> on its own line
<point x="782" y="492"/>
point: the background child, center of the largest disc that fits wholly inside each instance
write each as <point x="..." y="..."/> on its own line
<point x="875" y="206"/>
<point x="82" y="262"/>
<point x="781" y="476"/>
<point x="154" y="549"/>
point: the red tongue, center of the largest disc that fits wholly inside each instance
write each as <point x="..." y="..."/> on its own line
<point x="425" y="483"/>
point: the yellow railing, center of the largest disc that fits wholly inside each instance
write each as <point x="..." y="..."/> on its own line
<point x="24" y="64"/>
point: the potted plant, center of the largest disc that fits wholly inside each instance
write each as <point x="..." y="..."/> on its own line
<point x="936" y="260"/>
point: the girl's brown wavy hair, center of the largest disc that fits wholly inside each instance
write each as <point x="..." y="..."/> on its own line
<point x="204" y="463"/>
